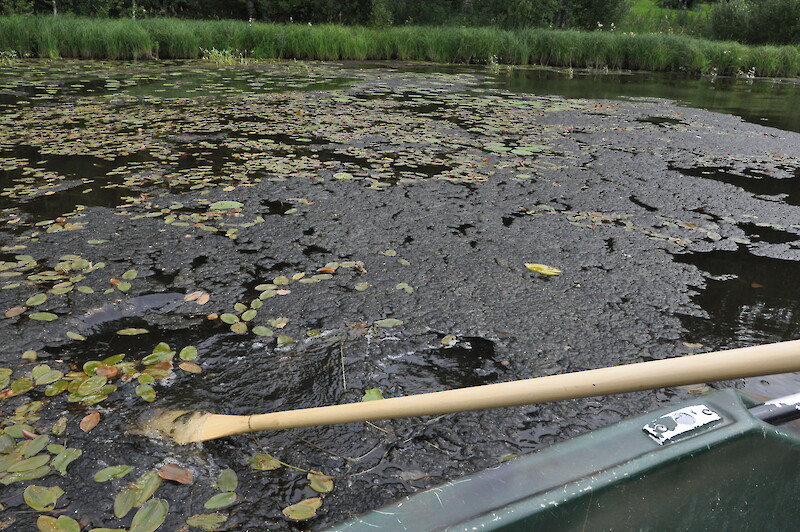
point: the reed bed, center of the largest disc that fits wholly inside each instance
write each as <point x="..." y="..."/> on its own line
<point x="170" y="38"/>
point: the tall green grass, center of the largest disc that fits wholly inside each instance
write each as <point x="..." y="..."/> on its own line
<point x="168" y="38"/>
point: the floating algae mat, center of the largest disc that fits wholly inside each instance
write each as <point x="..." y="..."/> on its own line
<point x="269" y="236"/>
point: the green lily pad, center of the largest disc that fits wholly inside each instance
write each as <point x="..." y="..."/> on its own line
<point x="65" y="458"/>
<point x="319" y="482"/>
<point x="38" y="299"/>
<point x="132" y="332"/>
<point x="188" y="353"/>
<point x="75" y="336"/>
<point x="29" y="464"/>
<point x="305" y="509"/>
<point x="130" y="274"/>
<point x="389" y="322"/>
<point x="249" y="315"/>
<point x="46" y="523"/>
<point x="220" y="500"/>
<point x="229" y="318"/>
<point x="150" y="516"/>
<point x="22" y="385"/>
<point x="43" y="316"/>
<point x="32" y="447"/>
<point x="262" y="331"/>
<point x="207" y="521"/>
<point x="91" y="385"/>
<point x="264" y="462"/>
<point x="146" y="392"/>
<point x="226" y="205"/>
<point x="42" y="498"/>
<point x="107" y="473"/>
<point x="147" y="486"/>
<point x="227" y="481"/>
<point x="373" y="394"/>
<point x="125" y="501"/>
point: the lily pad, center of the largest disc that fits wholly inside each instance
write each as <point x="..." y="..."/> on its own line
<point x="262" y="331"/>
<point x="38" y="299"/>
<point x="132" y="331"/>
<point x="125" y="500"/>
<point x="150" y="516"/>
<point x="107" y="473"/>
<point x="188" y="353"/>
<point x="264" y="462"/>
<point x="303" y="510"/>
<point x="389" y="322"/>
<point x="42" y="498"/>
<point x="65" y="458"/>
<point x="220" y="500"/>
<point x="176" y="473"/>
<point x="46" y="523"/>
<point x="227" y="481"/>
<point x="207" y="521"/>
<point x="373" y="394"/>
<point x="43" y="316"/>
<point x="226" y="205"/>
<point x="319" y="482"/>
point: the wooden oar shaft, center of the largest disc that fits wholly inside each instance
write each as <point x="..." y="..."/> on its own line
<point x="768" y="359"/>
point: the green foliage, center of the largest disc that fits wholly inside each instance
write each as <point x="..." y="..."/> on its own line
<point x="756" y="21"/>
<point x="379" y="15"/>
<point x="229" y="41"/>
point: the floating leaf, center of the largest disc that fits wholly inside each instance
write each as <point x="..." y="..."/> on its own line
<point x="176" y="473"/>
<point x="284" y="339"/>
<point x="65" y="458"/>
<point x="123" y="286"/>
<point x="264" y="462"/>
<point x="279" y="323"/>
<point x="41" y="498"/>
<point x="262" y="331"/>
<point x="46" y="523"/>
<point x="31" y="474"/>
<point x="342" y="175"/>
<point x="22" y="385"/>
<point x="29" y="464"/>
<point x="90" y="421"/>
<point x="107" y="473"/>
<point x="389" y="322"/>
<point x="389" y="253"/>
<point x="75" y="336"/>
<point x="225" y="205"/>
<point x="373" y="394"/>
<point x="249" y="315"/>
<point x="146" y="392"/>
<point x="30" y="354"/>
<point x="190" y="367"/>
<point x="132" y="332"/>
<point x="239" y="327"/>
<point x="130" y="274"/>
<point x="108" y="372"/>
<point x="92" y="385"/>
<point x="38" y="299"/>
<point x="203" y="299"/>
<point x="544" y="269"/>
<point x="319" y="482"/>
<point x="207" y="521"/>
<point x="147" y="486"/>
<point x="43" y="316"/>
<point x="188" y="353"/>
<point x="150" y="516"/>
<point x="227" y="480"/>
<point x="362" y="286"/>
<point x="32" y="447"/>
<point x="220" y="500"/>
<point x="229" y="318"/>
<point x="125" y="500"/>
<point x="86" y="290"/>
<point x="15" y="311"/>
<point x="303" y="510"/>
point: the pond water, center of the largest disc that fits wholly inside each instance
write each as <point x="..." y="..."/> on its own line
<point x="271" y="236"/>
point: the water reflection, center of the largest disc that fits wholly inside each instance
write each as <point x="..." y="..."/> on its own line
<point x="768" y="102"/>
<point x="749" y="300"/>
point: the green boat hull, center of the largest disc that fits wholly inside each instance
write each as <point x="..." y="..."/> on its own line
<point x="734" y="472"/>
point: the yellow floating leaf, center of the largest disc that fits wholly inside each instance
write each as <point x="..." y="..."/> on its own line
<point x="544" y="269"/>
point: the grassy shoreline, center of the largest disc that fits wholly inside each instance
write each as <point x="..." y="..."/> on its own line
<point x="167" y="38"/>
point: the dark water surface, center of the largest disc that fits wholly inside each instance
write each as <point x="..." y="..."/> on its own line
<point x="316" y="200"/>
